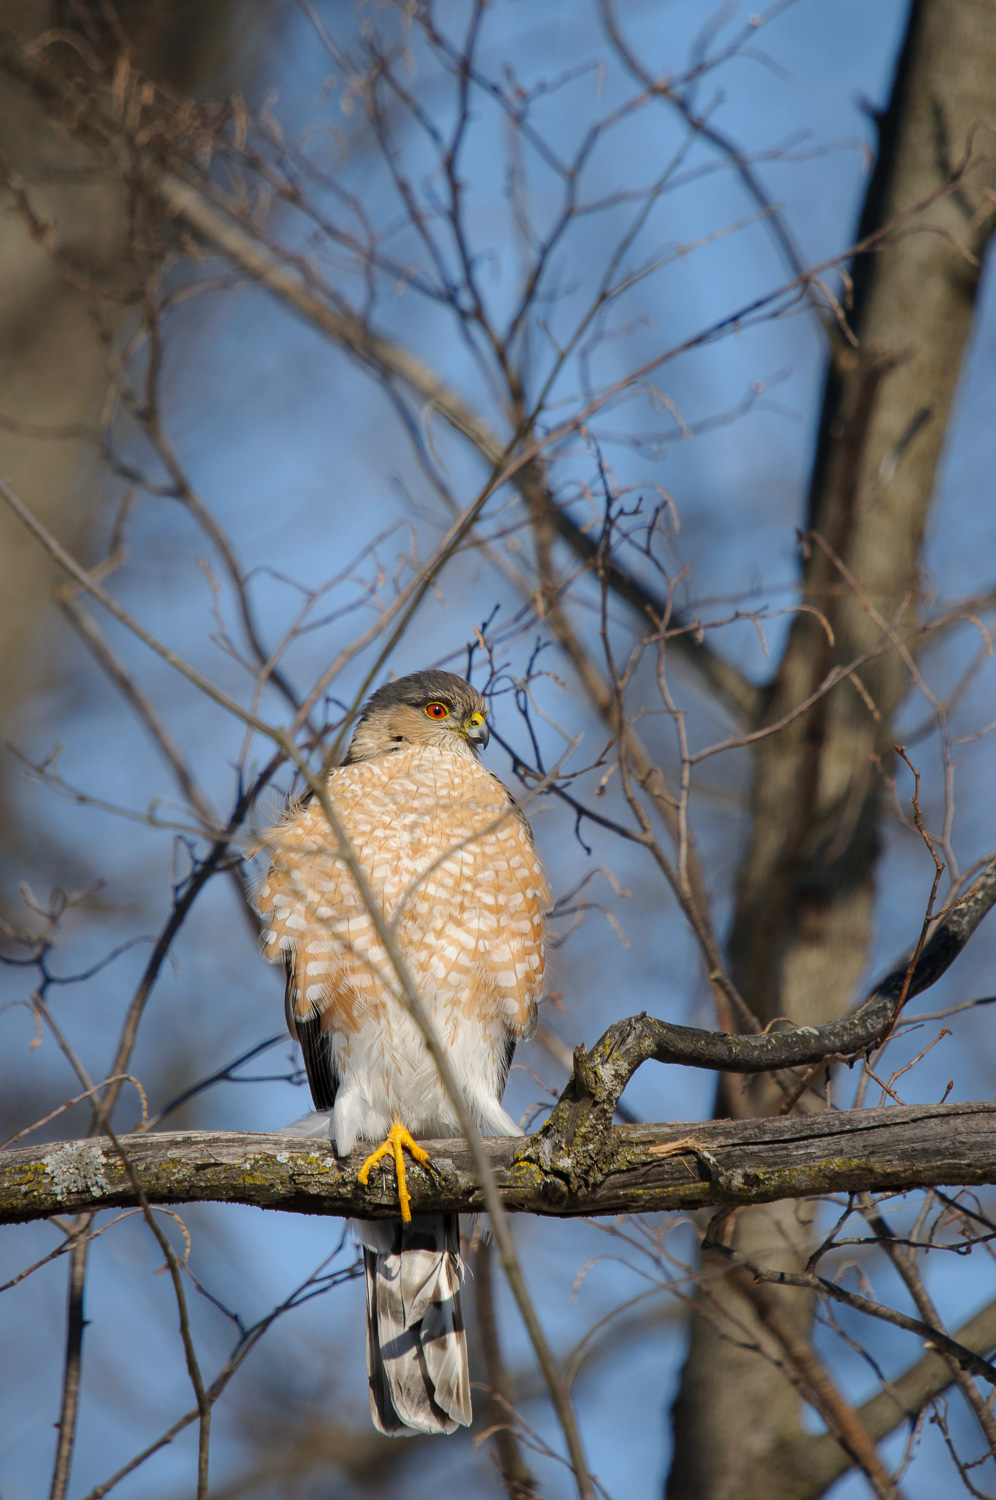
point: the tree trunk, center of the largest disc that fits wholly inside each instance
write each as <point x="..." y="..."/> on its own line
<point x="53" y="354"/>
<point x="804" y="910"/>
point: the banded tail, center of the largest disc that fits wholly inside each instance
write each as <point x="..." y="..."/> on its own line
<point x="416" y="1345"/>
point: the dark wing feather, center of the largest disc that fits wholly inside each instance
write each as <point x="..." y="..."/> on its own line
<point x="505" y="1062"/>
<point x="316" y="1045"/>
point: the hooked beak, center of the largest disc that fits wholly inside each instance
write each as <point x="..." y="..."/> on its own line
<point x="477" y="731"/>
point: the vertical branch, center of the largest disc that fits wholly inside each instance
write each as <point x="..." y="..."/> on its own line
<point x="516" y="1475"/>
<point x="72" y="1372"/>
<point x="837" y="1412"/>
<point x="201" y="1394"/>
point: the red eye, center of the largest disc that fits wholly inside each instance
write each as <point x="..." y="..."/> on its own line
<point x="437" y="710"/>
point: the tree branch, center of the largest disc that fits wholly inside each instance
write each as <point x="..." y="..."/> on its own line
<point x="578" y="1163"/>
<point x="849" y="1433"/>
<point x="641" y="1169"/>
<point x="215" y="220"/>
<point x="816" y="1461"/>
<point x="573" y="1135"/>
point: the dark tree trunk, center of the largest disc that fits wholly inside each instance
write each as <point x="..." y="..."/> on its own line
<point x="804" y="910"/>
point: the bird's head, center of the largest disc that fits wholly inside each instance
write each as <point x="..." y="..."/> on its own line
<point x="427" y="708"/>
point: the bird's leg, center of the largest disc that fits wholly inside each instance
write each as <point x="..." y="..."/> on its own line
<point x="398" y="1141"/>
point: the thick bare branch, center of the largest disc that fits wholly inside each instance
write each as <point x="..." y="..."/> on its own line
<point x="646" y="1168"/>
<point x="586" y="1107"/>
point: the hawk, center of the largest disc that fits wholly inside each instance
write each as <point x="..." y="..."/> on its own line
<point x="449" y="860"/>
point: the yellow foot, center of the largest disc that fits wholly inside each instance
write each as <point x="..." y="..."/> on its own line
<point x="398" y="1141"/>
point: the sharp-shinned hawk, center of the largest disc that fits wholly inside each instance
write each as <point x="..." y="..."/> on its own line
<point x="450" y="863"/>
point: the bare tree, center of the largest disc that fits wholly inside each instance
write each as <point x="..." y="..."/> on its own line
<point x="466" y="221"/>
